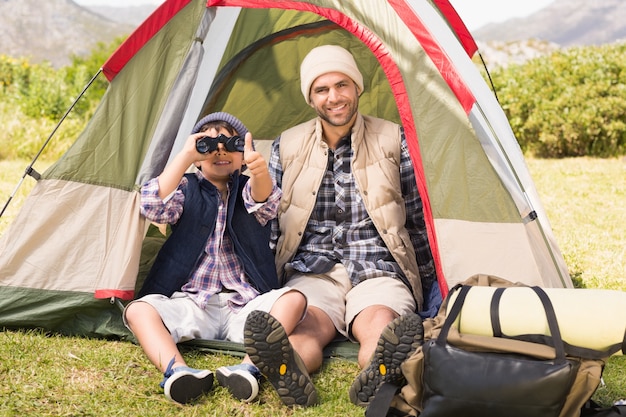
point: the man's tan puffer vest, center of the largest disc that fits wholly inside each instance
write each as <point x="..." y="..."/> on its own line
<point x="375" y="166"/>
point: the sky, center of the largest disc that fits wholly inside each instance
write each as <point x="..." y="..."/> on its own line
<point x="475" y="13"/>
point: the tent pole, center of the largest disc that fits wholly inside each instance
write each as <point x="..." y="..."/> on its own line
<point x="29" y="169"/>
<point x="493" y="87"/>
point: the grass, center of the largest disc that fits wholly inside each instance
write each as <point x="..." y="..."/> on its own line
<point x="585" y="200"/>
<point x="50" y="375"/>
<point x="10" y="174"/>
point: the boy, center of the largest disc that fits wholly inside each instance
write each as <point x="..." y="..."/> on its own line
<point x="216" y="266"/>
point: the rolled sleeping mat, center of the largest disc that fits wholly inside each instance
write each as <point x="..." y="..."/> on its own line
<point x="588" y="318"/>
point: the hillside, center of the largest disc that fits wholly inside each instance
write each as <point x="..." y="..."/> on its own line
<point x="501" y="54"/>
<point x="53" y="30"/>
<point x="565" y="23"/>
<point x="61" y="28"/>
<point x="132" y="15"/>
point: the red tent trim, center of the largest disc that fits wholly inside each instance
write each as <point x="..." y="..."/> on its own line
<point x="112" y="293"/>
<point x="453" y="18"/>
<point x="436" y="53"/>
<point x="140" y="36"/>
<point x="397" y="85"/>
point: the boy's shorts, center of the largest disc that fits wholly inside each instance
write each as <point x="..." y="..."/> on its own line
<point x="185" y="320"/>
<point x="332" y="292"/>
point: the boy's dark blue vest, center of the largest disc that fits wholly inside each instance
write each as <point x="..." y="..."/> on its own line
<point x="178" y="257"/>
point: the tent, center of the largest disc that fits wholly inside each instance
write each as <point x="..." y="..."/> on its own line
<point x="74" y="251"/>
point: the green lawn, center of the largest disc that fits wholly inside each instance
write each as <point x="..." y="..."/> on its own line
<point x="50" y="375"/>
<point x="585" y="200"/>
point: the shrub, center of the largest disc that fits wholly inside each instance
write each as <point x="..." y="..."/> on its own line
<point x="570" y="103"/>
<point x="35" y="97"/>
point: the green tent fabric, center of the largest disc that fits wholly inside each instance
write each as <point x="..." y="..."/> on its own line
<point x="74" y="252"/>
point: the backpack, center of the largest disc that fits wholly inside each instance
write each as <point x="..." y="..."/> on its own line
<point x="586" y="365"/>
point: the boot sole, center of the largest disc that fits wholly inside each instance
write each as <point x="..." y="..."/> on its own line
<point x="399" y="340"/>
<point x="269" y="349"/>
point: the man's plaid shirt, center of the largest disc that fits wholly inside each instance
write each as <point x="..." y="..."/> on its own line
<point x="340" y="230"/>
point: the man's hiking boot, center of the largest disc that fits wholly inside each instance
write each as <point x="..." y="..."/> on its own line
<point x="183" y="384"/>
<point x="241" y="380"/>
<point x="269" y="349"/>
<point x="397" y="342"/>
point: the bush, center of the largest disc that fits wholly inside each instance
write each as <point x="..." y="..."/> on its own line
<point x="570" y="103"/>
<point x="35" y="97"/>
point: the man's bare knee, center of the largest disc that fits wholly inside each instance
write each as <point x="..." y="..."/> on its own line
<point x="316" y="325"/>
<point x="372" y="320"/>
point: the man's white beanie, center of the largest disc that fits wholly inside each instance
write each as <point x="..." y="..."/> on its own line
<point x="325" y="59"/>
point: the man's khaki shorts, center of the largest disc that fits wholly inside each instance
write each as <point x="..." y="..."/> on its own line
<point x="332" y="292"/>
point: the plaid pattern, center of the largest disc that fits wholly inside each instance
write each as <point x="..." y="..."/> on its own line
<point x="340" y="230"/>
<point x="219" y="267"/>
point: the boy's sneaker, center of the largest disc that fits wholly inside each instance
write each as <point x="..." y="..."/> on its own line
<point x="241" y="380"/>
<point x="183" y="384"/>
<point x="269" y="348"/>
<point x="397" y="342"/>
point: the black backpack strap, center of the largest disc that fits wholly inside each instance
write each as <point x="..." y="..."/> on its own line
<point x="553" y="324"/>
<point x="379" y="405"/>
<point x="453" y="312"/>
<point x="494" y="311"/>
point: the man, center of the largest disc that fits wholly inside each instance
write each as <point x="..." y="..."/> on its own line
<point x="350" y="235"/>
